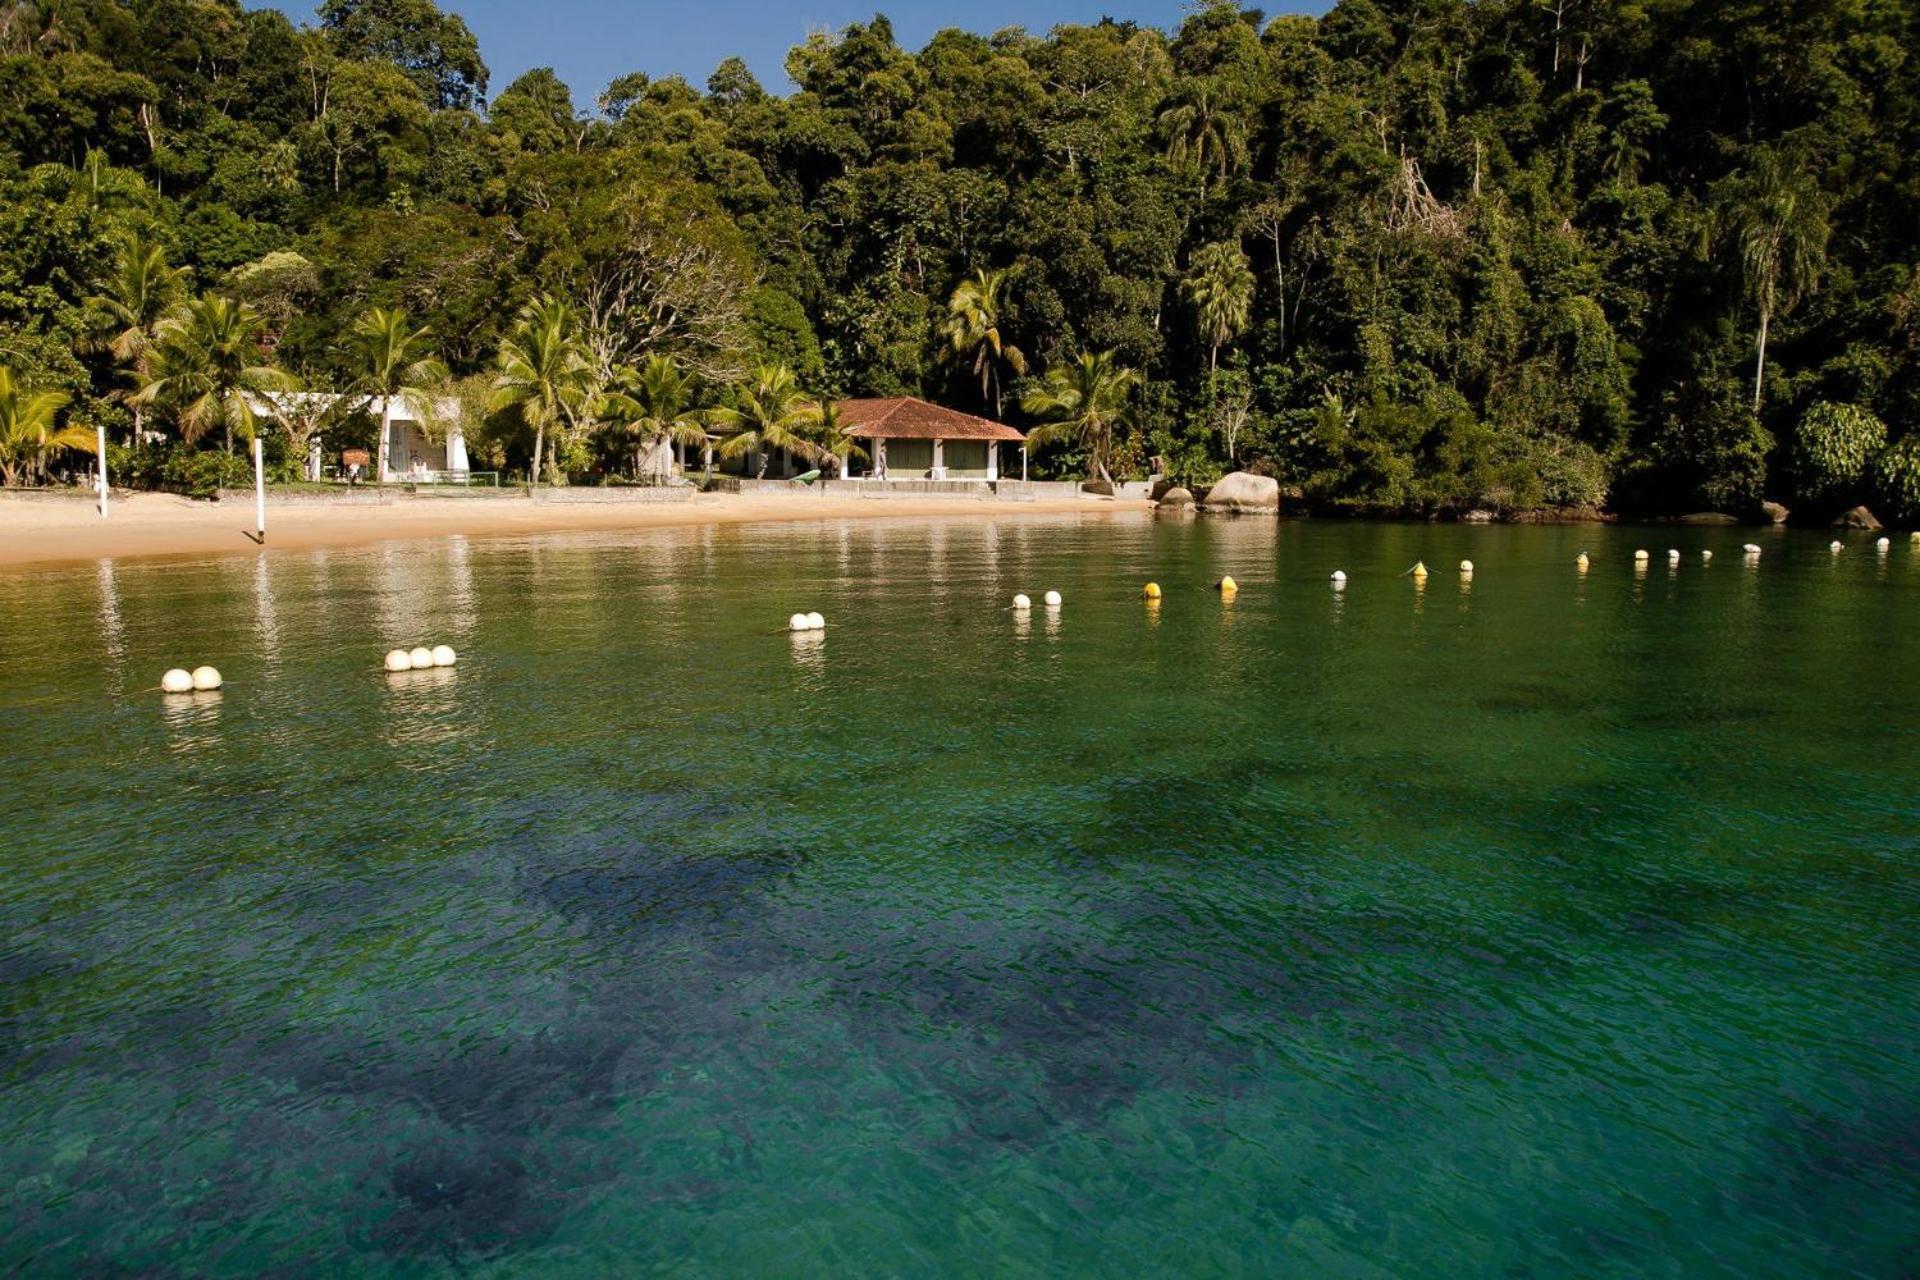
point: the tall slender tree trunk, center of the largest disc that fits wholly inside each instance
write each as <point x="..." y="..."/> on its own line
<point x="1760" y="358"/>
<point x="539" y="443"/>
<point x="386" y="430"/>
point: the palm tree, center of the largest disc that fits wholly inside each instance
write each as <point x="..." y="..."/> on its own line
<point x="654" y="401"/>
<point x="389" y="358"/>
<point x="971" y="334"/>
<point x="1775" y="219"/>
<point x="1220" y="286"/>
<point x="772" y="413"/>
<point x="829" y="430"/>
<point x="1202" y="135"/>
<point x="1086" y="400"/>
<point x="542" y="371"/>
<point x="207" y="367"/>
<point x="27" y="430"/>
<point x="133" y="299"/>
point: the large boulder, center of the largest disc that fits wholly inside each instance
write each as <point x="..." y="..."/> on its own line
<point x="1477" y="516"/>
<point x="1773" y="513"/>
<point x="1098" y="488"/>
<point x="1244" y="491"/>
<point x="1858" y="518"/>
<point x="1710" y="519"/>
<point x="1177" y="497"/>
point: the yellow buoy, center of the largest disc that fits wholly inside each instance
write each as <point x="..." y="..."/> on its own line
<point x="1228" y="586"/>
<point x="1581" y="561"/>
<point x="1466" y="566"/>
<point x="1641" y="557"/>
<point x="1419" y="569"/>
<point x="1151" y="591"/>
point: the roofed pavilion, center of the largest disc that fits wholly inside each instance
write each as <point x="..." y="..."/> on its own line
<point x="910" y="439"/>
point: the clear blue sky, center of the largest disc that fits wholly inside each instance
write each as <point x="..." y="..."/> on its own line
<point x="589" y="42"/>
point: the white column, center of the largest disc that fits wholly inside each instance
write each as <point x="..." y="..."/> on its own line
<point x="1023" y="464"/>
<point x="456" y="448"/>
<point x="993" y="460"/>
<point x="313" y="458"/>
<point x="102" y="456"/>
<point x="259" y="488"/>
<point x="939" y="459"/>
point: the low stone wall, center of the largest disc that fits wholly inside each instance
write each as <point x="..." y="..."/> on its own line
<point x="612" y="495"/>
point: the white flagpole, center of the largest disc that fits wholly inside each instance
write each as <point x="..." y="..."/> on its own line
<point x="259" y="490"/>
<point x="102" y="445"/>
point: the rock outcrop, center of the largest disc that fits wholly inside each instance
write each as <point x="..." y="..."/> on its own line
<point x="1858" y="518"/>
<point x="1244" y="491"/>
<point x="1176" y="497"/>
<point x="1774" y="513"/>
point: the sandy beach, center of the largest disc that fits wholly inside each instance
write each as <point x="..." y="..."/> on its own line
<point x="153" y="524"/>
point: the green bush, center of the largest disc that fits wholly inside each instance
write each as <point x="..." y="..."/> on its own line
<point x="1896" y="480"/>
<point x="1832" y="446"/>
<point x="202" y="474"/>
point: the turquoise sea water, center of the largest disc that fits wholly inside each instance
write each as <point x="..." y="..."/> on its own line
<point x="1546" y="927"/>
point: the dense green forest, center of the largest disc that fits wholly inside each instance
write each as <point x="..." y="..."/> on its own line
<point x="1414" y="255"/>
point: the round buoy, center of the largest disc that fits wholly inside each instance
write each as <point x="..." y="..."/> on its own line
<point x="1022" y="603"/>
<point x="444" y="656"/>
<point x="1837" y="547"/>
<point x="1751" y="549"/>
<point x="1706" y="557"/>
<point x="1228" y="586"/>
<point x="1466" y="566"/>
<point x="1884" y="544"/>
<point x="399" y="660"/>
<point x="1053" y="599"/>
<point x="206" y="678"/>
<point x="1581" y="561"/>
<point x="1915" y="539"/>
<point x="1152" y="590"/>
<point x="421" y="658"/>
<point x="816" y="623"/>
<point x="798" y="622"/>
<point x="1641" y="557"/>
<point x="1339" y="578"/>
<point x="1673" y="557"/>
<point x="178" y="680"/>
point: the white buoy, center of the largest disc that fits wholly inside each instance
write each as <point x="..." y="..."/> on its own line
<point x="178" y="680"/>
<point x="1580" y="562"/>
<point x="1021" y="603"/>
<point x="816" y="623"/>
<point x="1706" y="557"/>
<point x="1673" y="556"/>
<point x="1752" y="549"/>
<point x="1837" y="546"/>
<point x="444" y="656"/>
<point x="798" y="622"/>
<point x="1339" y="578"/>
<point x="421" y="658"/>
<point x="1641" y="557"/>
<point x="398" y="660"/>
<point x="1466" y="566"/>
<point x="1053" y="599"/>
<point x="206" y="678"/>
<point x="1885" y="545"/>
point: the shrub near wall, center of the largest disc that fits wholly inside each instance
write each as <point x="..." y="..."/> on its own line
<point x="1896" y="481"/>
<point x="1832" y="448"/>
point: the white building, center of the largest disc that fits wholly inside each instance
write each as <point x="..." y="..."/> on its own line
<point x="424" y="439"/>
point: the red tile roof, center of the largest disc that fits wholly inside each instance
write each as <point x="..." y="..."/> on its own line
<point x="905" y="418"/>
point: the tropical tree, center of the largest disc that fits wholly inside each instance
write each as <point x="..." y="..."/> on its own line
<point x="1085" y="400"/>
<point x="389" y="359"/>
<point x="542" y="371"/>
<point x="828" y="428"/>
<point x="29" y="430"/>
<point x="1202" y="135"/>
<point x="770" y="412"/>
<point x="134" y="298"/>
<point x="1774" y="218"/>
<point x="970" y="334"/>
<point x="208" y="368"/>
<point x="655" y="402"/>
<point x="1220" y="287"/>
